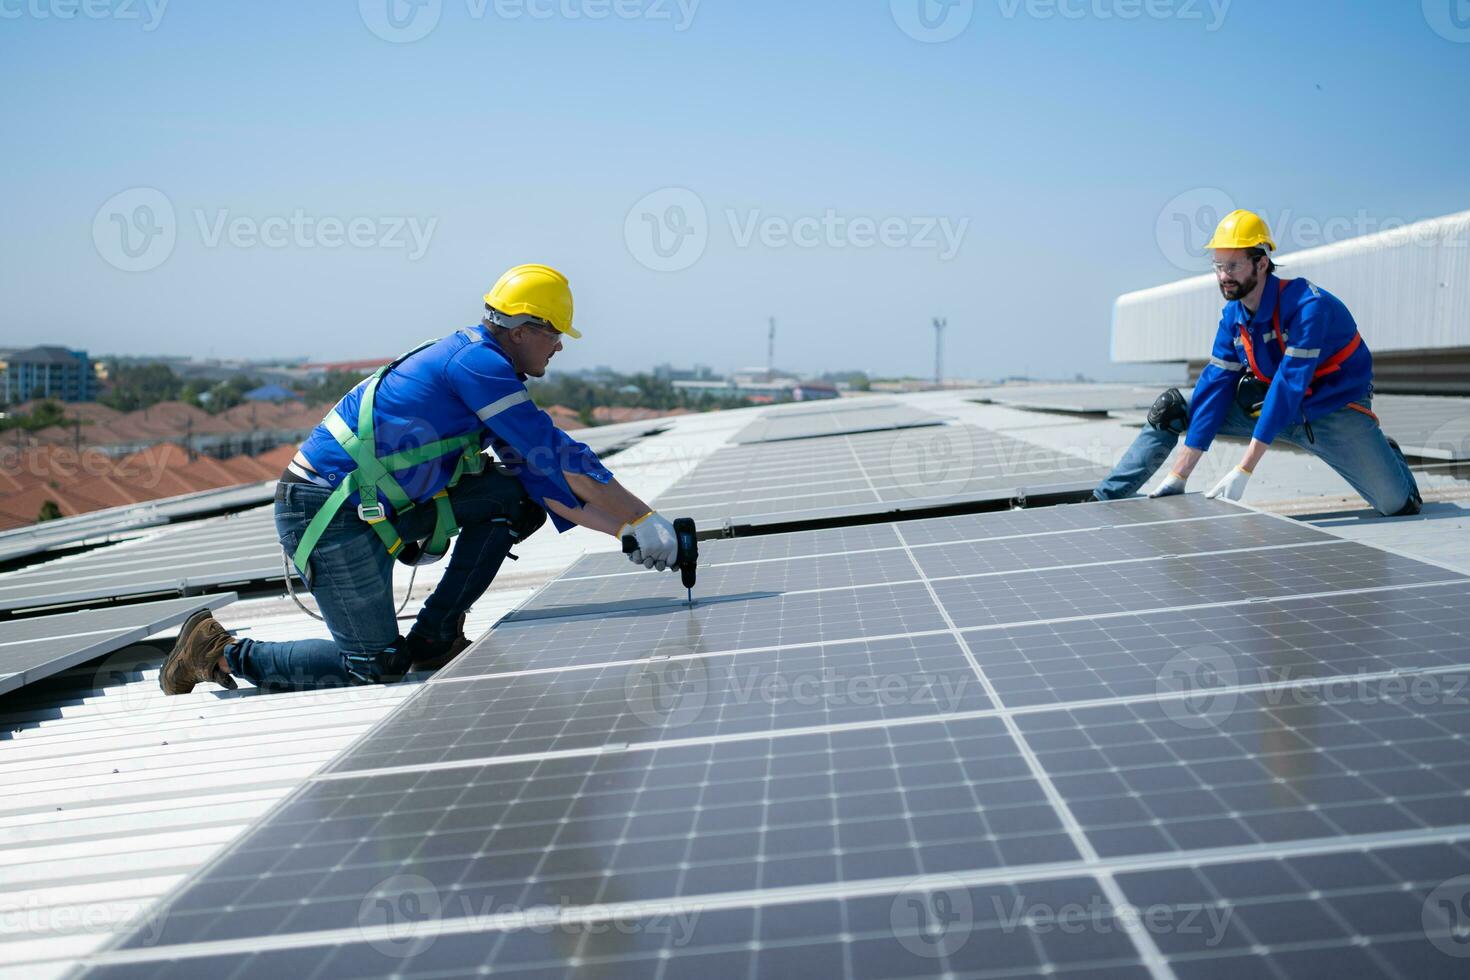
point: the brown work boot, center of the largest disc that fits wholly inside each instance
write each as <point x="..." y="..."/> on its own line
<point x="195" y="656"/>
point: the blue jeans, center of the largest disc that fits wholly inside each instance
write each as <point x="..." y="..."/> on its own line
<point x="1347" y="440"/>
<point x="351" y="578"/>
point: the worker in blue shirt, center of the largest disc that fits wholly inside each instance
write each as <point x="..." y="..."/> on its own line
<point x="396" y="470"/>
<point x="1288" y="363"/>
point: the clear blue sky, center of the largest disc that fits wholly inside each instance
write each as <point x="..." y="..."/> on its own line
<point x="1055" y="136"/>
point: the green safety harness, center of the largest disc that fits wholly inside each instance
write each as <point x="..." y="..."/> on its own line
<point x="375" y="474"/>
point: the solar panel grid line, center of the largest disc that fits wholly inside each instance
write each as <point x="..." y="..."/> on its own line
<point x="1194" y="607"/>
<point x="1381" y="546"/>
<point x="532" y="610"/>
<point x="993" y="540"/>
<point x="723" y="698"/>
<point x="818" y="482"/>
<point x="1377" y="848"/>
<point x="602" y="794"/>
<point x="40" y="646"/>
<point x="1277" y="688"/>
<point x="1185" y="581"/>
<point x="1284" y="640"/>
<point x="1231" y="607"/>
<point x="1132" y="561"/>
<point x="735" y="651"/>
<point x="896" y="458"/>
<point x="952" y="630"/>
<point x="1147" y="948"/>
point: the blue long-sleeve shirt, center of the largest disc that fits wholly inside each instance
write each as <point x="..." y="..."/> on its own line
<point x="462" y="384"/>
<point x="1317" y="326"/>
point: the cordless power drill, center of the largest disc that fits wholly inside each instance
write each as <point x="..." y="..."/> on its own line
<point x="688" y="557"/>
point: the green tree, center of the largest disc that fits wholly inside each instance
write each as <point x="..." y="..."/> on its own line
<point x="136" y="386"/>
<point x="49" y="512"/>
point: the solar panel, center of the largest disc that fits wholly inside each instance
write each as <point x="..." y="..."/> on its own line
<point x="1189" y="580"/>
<point x="37" y="538"/>
<point x="873" y="473"/>
<point x="1084" y="399"/>
<point x="1065" y="752"/>
<point x="37" y="647"/>
<point x="934" y="927"/>
<point x="1285" y="640"/>
<point x="1376" y="911"/>
<point x="712" y="697"/>
<point x="672" y="630"/>
<point x="659" y="823"/>
<point x="234" y="550"/>
<point x="780" y="426"/>
<point x="1227" y="768"/>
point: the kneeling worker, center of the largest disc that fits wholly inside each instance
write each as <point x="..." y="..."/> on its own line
<point x="395" y="470"/>
<point x="1288" y="363"/>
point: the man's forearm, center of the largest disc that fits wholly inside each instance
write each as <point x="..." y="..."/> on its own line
<point x="1187" y="460"/>
<point x="1253" y="454"/>
<point x="587" y="516"/>
<point x="611" y="499"/>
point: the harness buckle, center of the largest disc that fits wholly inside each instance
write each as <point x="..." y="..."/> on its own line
<point x="372" y="514"/>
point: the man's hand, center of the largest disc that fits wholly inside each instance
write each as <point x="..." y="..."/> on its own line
<point x="1232" y="487"/>
<point x="658" y="546"/>
<point x="1170" y="485"/>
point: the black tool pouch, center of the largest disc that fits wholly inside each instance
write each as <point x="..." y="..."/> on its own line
<point x="1250" y="394"/>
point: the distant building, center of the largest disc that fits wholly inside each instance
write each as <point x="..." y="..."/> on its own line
<point x="806" y="391"/>
<point x="270" y="393"/>
<point x="700" y="372"/>
<point x="57" y="373"/>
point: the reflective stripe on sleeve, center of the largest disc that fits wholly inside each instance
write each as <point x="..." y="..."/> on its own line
<point x="1225" y="365"/>
<point x="1303" y="352"/>
<point x="501" y="404"/>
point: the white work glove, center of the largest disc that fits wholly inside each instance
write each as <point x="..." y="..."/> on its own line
<point x="1232" y="487"/>
<point x="1170" y="485"/>
<point x="658" y="546"/>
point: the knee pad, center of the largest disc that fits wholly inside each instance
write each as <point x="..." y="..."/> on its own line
<point x="387" y="666"/>
<point x="527" y="519"/>
<point x="1170" y="412"/>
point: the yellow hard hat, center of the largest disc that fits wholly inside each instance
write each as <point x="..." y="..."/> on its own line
<point x="534" y="290"/>
<point x="1242" y="229"/>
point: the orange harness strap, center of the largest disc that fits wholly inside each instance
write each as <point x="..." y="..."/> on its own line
<point x="1329" y="366"/>
<point x="1359" y="408"/>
